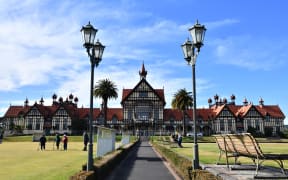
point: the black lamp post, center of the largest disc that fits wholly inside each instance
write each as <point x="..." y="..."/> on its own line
<point x="95" y="52"/>
<point x="190" y="55"/>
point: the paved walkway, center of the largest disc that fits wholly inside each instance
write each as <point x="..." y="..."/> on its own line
<point x="244" y="172"/>
<point x="142" y="163"/>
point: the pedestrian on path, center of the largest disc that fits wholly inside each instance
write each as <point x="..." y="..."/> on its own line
<point x="65" y="142"/>
<point x="180" y="140"/>
<point x="43" y="142"/>
<point x="57" y="140"/>
<point x="85" y="140"/>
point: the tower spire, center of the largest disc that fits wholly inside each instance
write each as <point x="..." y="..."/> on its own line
<point x="143" y="72"/>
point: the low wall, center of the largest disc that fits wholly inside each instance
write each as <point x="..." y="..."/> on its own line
<point x="105" y="164"/>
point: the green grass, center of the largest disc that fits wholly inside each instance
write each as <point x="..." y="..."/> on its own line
<point x="23" y="160"/>
<point x="49" y="138"/>
<point x="20" y="158"/>
<point x="209" y="153"/>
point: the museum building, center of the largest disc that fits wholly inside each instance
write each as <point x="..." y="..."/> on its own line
<point x="143" y="110"/>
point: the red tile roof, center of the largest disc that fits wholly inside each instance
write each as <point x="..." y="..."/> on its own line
<point x="172" y="113"/>
<point x="178" y="116"/>
<point x="205" y="114"/>
<point x="84" y="113"/>
<point x="15" y="111"/>
<point x="241" y="111"/>
<point x="111" y="112"/>
<point x="270" y="110"/>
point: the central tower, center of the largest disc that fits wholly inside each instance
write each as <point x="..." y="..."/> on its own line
<point x="143" y="106"/>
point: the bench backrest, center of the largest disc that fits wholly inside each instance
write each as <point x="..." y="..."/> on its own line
<point x="220" y="141"/>
<point x="245" y="144"/>
<point x="224" y="144"/>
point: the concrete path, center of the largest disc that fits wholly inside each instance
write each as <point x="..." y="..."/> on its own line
<point x="142" y="163"/>
<point x="244" y="172"/>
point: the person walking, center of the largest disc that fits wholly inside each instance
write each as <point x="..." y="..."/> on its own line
<point x="42" y="142"/>
<point x="65" y="142"/>
<point x="57" y="141"/>
<point x="85" y="140"/>
<point x="180" y="140"/>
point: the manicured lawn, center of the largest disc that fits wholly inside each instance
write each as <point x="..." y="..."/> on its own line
<point x="23" y="160"/>
<point x="20" y="158"/>
<point x="209" y="153"/>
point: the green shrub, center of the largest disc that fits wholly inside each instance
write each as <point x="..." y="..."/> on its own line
<point x="183" y="166"/>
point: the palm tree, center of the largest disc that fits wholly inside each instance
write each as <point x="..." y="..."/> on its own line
<point x="106" y="90"/>
<point x="181" y="101"/>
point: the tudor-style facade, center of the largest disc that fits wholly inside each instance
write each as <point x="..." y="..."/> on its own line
<point x="143" y="111"/>
<point x="143" y="106"/>
<point x="227" y="117"/>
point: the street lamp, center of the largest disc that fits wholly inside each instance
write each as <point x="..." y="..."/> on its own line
<point x="95" y="52"/>
<point x="190" y="54"/>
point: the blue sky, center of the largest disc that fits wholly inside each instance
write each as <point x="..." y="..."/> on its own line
<point x="245" y="50"/>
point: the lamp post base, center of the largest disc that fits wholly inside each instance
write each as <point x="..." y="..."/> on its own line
<point x="196" y="157"/>
<point x="90" y="157"/>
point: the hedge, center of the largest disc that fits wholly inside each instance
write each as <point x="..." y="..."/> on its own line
<point x="104" y="165"/>
<point x="183" y="165"/>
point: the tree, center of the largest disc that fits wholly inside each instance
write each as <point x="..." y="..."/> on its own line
<point x="182" y="100"/>
<point x="105" y="89"/>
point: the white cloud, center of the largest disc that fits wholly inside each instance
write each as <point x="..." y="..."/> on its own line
<point x="240" y="51"/>
<point x="221" y="23"/>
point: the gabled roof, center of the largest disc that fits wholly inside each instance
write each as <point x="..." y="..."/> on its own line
<point x="111" y="112"/>
<point x="216" y="110"/>
<point x="271" y="110"/>
<point x="241" y="111"/>
<point x="175" y="113"/>
<point x="127" y="92"/>
<point x="83" y="113"/>
<point x="15" y="111"/>
<point x="205" y="114"/>
<point x="43" y="110"/>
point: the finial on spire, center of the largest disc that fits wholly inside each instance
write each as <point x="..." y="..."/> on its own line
<point x="143" y="72"/>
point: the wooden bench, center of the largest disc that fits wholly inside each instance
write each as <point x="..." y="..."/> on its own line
<point x="225" y="147"/>
<point x="244" y="144"/>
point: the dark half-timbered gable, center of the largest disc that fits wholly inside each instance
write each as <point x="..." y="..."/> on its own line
<point x="34" y="119"/>
<point x="143" y="106"/>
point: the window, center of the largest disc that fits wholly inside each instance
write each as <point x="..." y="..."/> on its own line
<point x="230" y="124"/>
<point x="257" y="125"/>
<point x="267" y="118"/>
<point x="29" y="126"/>
<point x="38" y="121"/>
<point x="172" y="120"/>
<point x="222" y="126"/>
<point x="65" y="124"/>
<point x="114" y="120"/>
<point x="129" y="114"/>
<point x="143" y="112"/>
<point x="143" y="94"/>
<point x="56" y="124"/>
